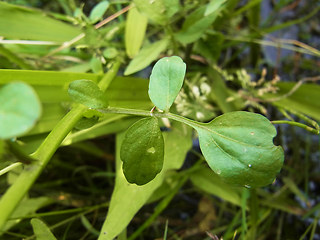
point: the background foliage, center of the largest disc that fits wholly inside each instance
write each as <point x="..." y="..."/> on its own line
<point x="260" y="56"/>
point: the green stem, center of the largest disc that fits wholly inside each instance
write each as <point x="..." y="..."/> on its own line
<point x="10" y="167"/>
<point x="297" y="124"/>
<point x="109" y="76"/>
<point x="145" y="113"/>
<point x="21" y="186"/>
<point x="159" y="209"/>
<point x="43" y="154"/>
<point x="254" y="210"/>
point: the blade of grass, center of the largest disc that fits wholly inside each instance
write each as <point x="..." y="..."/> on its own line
<point x="85" y="222"/>
<point x="165" y="231"/>
<point x="244" y="227"/>
<point x="158" y="210"/>
<point x="14" y="58"/>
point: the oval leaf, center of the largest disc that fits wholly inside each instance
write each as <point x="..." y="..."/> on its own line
<point x="20" y="108"/>
<point x="98" y="11"/>
<point x="142" y="151"/>
<point x="87" y="93"/>
<point x="166" y="81"/>
<point x="239" y="147"/>
<point x="146" y="55"/>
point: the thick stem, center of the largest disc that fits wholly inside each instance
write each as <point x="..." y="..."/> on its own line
<point x="30" y="173"/>
<point x="21" y="186"/>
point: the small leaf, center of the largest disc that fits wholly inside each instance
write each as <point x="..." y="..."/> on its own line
<point x="41" y="230"/>
<point x="238" y="146"/>
<point x="213" y="6"/>
<point x="142" y="151"/>
<point x="195" y="25"/>
<point x="96" y="65"/>
<point x="20" y="108"/>
<point x="158" y="11"/>
<point x="136" y="26"/>
<point x="87" y="93"/>
<point x="110" y="53"/>
<point x="146" y="55"/>
<point x="97" y="12"/>
<point x="166" y="81"/>
<point x="122" y="209"/>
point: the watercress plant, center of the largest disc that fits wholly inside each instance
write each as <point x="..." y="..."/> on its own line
<point x="238" y="146"/>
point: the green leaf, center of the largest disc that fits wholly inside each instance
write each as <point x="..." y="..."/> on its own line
<point x="146" y="56"/>
<point x="41" y="230"/>
<point x="122" y="208"/>
<point x="211" y="183"/>
<point x="87" y="93"/>
<point x="110" y="53"/>
<point x="220" y="91"/>
<point x="50" y="87"/>
<point x="98" y="11"/>
<point x="142" y="151"/>
<point x="195" y="25"/>
<point x="44" y="78"/>
<point x="136" y="26"/>
<point x="27" y="23"/>
<point x="213" y="6"/>
<point x="20" y="108"/>
<point x="304" y="100"/>
<point x="28" y="206"/>
<point x="158" y="11"/>
<point x="85" y="122"/>
<point x="238" y="146"/>
<point x="96" y="65"/>
<point x="166" y="81"/>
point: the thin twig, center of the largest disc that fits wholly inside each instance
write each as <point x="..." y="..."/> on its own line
<point x="82" y="35"/>
<point x="108" y="19"/>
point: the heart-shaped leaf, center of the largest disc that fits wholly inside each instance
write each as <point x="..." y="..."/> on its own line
<point x="142" y="151"/>
<point x="238" y="146"/>
<point x="20" y="108"/>
<point x="166" y="81"/>
<point x="87" y="93"/>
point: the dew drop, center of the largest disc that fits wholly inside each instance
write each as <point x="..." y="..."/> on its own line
<point x="247" y="186"/>
<point x="252" y="133"/>
<point x="219" y="172"/>
<point x="249" y="165"/>
<point x="151" y="150"/>
<point x="245" y="150"/>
